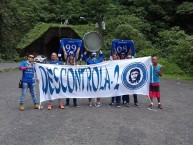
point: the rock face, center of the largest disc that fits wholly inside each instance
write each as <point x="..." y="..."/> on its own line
<point x="49" y="41"/>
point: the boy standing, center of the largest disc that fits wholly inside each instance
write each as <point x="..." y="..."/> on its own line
<point x="156" y="72"/>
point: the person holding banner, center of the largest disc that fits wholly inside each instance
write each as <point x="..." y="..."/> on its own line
<point x="156" y="72"/>
<point x="28" y="81"/>
<point x="126" y="98"/>
<point x="115" y="57"/>
<point x="54" y="60"/>
<point x="129" y="56"/>
<point x="133" y="75"/>
<point x="93" y="60"/>
<point x="71" y="61"/>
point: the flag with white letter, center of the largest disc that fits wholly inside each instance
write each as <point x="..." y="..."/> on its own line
<point x="106" y="79"/>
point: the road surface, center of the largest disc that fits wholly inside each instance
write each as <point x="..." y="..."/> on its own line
<point x="97" y="126"/>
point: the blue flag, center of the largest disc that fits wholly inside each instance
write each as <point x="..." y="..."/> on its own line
<point x="122" y="45"/>
<point x="70" y="45"/>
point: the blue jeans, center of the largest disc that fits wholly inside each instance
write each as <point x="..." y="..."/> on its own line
<point x="32" y="90"/>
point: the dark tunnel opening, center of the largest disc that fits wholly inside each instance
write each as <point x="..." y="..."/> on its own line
<point x="49" y="42"/>
<point x="52" y="46"/>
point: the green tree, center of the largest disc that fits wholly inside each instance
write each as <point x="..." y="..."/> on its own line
<point x="168" y="41"/>
<point x="184" y="14"/>
<point x="126" y="31"/>
<point x="136" y="22"/>
<point x="177" y="46"/>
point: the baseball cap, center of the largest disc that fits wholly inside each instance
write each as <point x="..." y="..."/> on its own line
<point x="93" y="54"/>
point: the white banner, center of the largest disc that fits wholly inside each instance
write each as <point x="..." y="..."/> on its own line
<point x="106" y="79"/>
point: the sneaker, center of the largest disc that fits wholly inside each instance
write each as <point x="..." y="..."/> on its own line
<point x="136" y="104"/>
<point x="111" y="104"/>
<point x="90" y="104"/>
<point x="118" y="105"/>
<point x="127" y="105"/>
<point x="160" y="106"/>
<point x="98" y="104"/>
<point x="49" y="107"/>
<point x="151" y="106"/>
<point x="21" y="107"/>
<point x="124" y="102"/>
<point x="36" y="106"/>
<point x="76" y="105"/>
<point x="61" y="106"/>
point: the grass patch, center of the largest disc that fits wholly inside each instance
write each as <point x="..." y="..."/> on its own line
<point x="172" y="71"/>
<point x="170" y="68"/>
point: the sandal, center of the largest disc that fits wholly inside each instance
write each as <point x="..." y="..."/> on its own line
<point x="61" y="106"/>
<point x="49" y="107"/>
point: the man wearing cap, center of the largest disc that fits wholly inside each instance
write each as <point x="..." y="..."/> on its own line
<point x="93" y="60"/>
<point x="71" y="61"/>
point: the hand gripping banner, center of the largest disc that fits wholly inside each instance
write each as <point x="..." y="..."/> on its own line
<point x="106" y="79"/>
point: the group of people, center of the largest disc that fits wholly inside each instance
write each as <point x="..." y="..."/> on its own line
<point x="29" y="81"/>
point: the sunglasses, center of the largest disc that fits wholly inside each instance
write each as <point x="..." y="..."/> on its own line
<point x="31" y="57"/>
<point x="122" y="54"/>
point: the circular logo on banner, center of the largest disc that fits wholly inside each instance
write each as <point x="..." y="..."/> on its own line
<point x="134" y="76"/>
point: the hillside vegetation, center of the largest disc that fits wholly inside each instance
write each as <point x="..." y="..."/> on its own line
<point x="162" y="27"/>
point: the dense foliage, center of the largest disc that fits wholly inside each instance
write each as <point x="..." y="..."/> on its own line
<point x="163" y="27"/>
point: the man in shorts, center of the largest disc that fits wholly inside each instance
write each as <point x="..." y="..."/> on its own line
<point x="156" y="72"/>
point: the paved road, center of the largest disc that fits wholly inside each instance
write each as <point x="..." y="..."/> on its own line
<point x="8" y="66"/>
<point x="97" y="126"/>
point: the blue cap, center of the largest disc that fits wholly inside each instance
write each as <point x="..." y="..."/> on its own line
<point x="94" y="54"/>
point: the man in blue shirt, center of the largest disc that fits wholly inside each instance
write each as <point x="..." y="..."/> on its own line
<point x="28" y="80"/>
<point x="93" y="60"/>
<point x="54" y="60"/>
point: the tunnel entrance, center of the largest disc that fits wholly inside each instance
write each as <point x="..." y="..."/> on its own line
<point x="49" y="41"/>
<point x="52" y="46"/>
